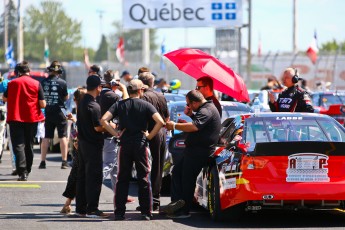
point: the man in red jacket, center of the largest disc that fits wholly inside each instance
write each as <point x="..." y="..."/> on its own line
<point x="24" y="97"/>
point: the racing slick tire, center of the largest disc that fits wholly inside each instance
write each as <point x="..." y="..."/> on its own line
<point x="217" y="214"/>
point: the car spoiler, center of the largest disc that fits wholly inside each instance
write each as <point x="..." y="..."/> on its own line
<point x="336" y="109"/>
<point x="289" y="148"/>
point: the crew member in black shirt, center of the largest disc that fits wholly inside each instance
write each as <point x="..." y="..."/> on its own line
<point x="293" y="98"/>
<point x="90" y="143"/>
<point x="107" y="98"/>
<point x="158" y="143"/>
<point x="134" y="117"/>
<point x="205" y="86"/>
<point x="55" y="94"/>
<point x="203" y="135"/>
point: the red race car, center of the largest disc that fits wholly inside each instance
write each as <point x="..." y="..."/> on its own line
<point x="274" y="161"/>
<point x="330" y="103"/>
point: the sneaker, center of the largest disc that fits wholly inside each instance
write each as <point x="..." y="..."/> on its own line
<point x="179" y="215"/>
<point x="130" y="200"/>
<point x="172" y="207"/>
<point x="42" y="165"/>
<point x="146" y="217"/>
<point x="64" y="165"/>
<point x="154" y="208"/>
<point x="14" y="172"/>
<point x="119" y="217"/>
<point x="77" y="215"/>
<point x="23" y="177"/>
<point x="97" y="214"/>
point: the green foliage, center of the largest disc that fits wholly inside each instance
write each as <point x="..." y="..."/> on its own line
<point x="332" y="46"/>
<point x="133" y="38"/>
<point x="50" y="21"/>
<point x="102" y="52"/>
<point x="12" y="27"/>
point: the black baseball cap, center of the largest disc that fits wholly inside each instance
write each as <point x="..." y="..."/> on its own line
<point x="125" y="72"/>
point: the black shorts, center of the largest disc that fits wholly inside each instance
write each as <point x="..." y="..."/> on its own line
<point x="50" y="126"/>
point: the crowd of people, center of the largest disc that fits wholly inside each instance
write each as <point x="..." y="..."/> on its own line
<point x="118" y="124"/>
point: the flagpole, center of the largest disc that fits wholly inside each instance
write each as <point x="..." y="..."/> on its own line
<point x="295" y="25"/>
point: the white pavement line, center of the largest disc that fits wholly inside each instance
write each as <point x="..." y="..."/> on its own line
<point x="31" y="213"/>
<point x="31" y="181"/>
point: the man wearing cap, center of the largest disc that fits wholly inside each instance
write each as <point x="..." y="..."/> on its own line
<point x="107" y="98"/>
<point x="134" y="116"/>
<point x="158" y="143"/>
<point x="55" y="94"/>
<point x="126" y="76"/>
<point x="24" y="97"/>
<point x="89" y="182"/>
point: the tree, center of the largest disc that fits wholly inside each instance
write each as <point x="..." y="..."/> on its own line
<point x="50" y="21"/>
<point x="332" y="46"/>
<point x="102" y="52"/>
<point x="12" y="27"/>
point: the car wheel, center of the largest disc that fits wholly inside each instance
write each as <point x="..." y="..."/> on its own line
<point x="213" y="195"/>
<point x="217" y="214"/>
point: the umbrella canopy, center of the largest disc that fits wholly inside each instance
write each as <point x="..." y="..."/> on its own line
<point x="197" y="64"/>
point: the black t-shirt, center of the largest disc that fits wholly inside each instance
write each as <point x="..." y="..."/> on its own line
<point x="134" y="116"/>
<point x="106" y="100"/>
<point x="55" y="91"/>
<point x="208" y="122"/>
<point x="159" y="102"/>
<point x="216" y="103"/>
<point x="88" y="117"/>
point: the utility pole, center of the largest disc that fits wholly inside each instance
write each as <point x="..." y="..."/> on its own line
<point x="294" y="32"/>
<point x="146" y="46"/>
<point x="100" y="12"/>
<point x="5" y="26"/>
<point x="249" y="51"/>
<point x="20" y="40"/>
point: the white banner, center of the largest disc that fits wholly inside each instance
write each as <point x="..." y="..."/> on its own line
<point x="138" y="14"/>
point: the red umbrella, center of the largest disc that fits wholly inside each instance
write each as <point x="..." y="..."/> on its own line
<point x="197" y="64"/>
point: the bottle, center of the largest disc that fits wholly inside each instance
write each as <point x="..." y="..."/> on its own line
<point x="256" y="105"/>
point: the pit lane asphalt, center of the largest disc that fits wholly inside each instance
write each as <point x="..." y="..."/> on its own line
<point x="36" y="205"/>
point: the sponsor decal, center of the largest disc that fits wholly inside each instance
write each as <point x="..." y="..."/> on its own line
<point x="307" y="167"/>
<point x="288" y="118"/>
<point x="229" y="183"/>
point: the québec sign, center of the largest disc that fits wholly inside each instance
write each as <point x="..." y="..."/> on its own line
<point x="181" y="13"/>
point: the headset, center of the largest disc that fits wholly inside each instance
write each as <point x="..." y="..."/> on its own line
<point x="295" y="77"/>
<point x="55" y="67"/>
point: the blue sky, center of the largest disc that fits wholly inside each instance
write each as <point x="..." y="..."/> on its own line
<point x="272" y="19"/>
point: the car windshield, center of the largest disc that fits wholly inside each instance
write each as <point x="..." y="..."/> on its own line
<point x="177" y="112"/>
<point x="174" y="97"/>
<point x="286" y="129"/>
<point x="228" y="111"/>
<point x="331" y="99"/>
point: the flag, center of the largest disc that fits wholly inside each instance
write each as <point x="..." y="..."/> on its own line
<point x="9" y="56"/>
<point x="313" y="50"/>
<point x="120" y="50"/>
<point x="260" y="46"/>
<point x="46" y="52"/>
<point x="162" y="64"/>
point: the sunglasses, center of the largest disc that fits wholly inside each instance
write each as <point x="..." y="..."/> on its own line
<point x="199" y="87"/>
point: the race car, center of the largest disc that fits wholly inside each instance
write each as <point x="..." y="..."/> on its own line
<point x="330" y="103"/>
<point x="274" y="161"/>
